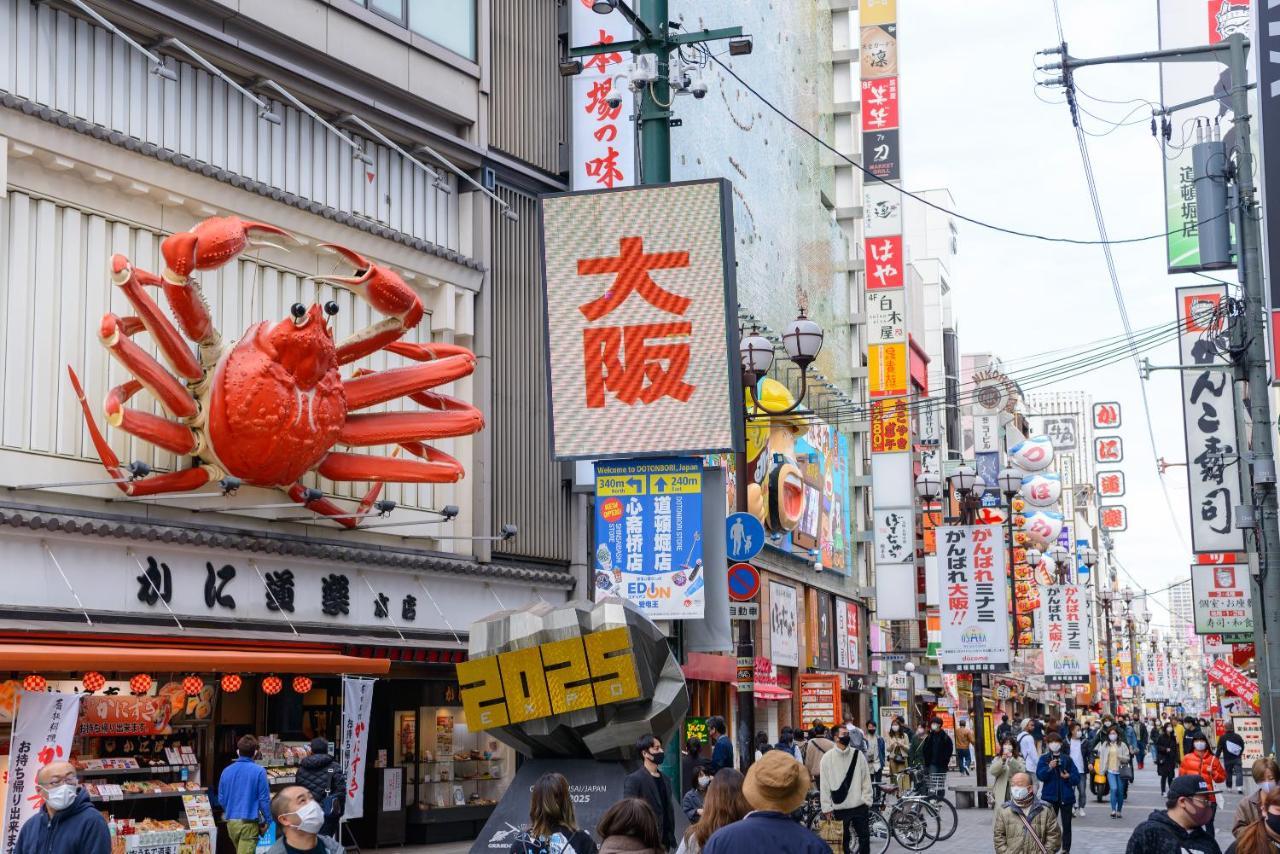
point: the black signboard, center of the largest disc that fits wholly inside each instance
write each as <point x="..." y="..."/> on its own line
<point x="880" y="154"/>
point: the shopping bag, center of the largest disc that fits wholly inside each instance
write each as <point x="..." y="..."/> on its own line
<point x="830" y="831"/>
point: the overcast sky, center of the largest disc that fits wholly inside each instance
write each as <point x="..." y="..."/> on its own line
<point x="972" y="122"/>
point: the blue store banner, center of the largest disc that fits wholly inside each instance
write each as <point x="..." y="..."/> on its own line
<point x="649" y="535"/>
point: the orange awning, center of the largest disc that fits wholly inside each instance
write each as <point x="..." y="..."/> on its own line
<point x="771" y="692"/>
<point x="74" y="658"/>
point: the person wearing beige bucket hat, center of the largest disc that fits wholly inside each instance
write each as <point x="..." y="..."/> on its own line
<point x="776" y="785"/>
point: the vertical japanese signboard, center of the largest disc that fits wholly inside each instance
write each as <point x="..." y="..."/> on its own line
<point x="1209" y="413"/>
<point x="784" y="642"/>
<point x="1267" y="156"/>
<point x="648" y="546"/>
<point x="357" y="707"/>
<point x="1066" y="648"/>
<point x="848" y="636"/>
<point x="604" y="150"/>
<point x="975" y="622"/>
<point x="641" y="341"/>
<point x="1186" y="23"/>
<point x="42" y="733"/>
<point x="1221" y="600"/>
<point x="819" y="698"/>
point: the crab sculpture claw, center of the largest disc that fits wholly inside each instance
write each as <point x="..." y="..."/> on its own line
<point x="385" y="291"/>
<point x="212" y="243"/>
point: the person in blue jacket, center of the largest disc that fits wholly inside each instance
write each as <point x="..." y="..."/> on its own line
<point x="68" y="824"/>
<point x="1059" y="777"/>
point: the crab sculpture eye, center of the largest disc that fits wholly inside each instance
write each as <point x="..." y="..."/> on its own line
<point x="299" y="311"/>
<point x="331" y="308"/>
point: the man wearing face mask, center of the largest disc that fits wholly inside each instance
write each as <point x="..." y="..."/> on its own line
<point x="1024" y="824"/>
<point x="845" y="790"/>
<point x="1059" y="776"/>
<point x="936" y="754"/>
<point x="68" y="824"/>
<point x="648" y="784"/>
<point x="301" y="818"/>
<point x="1179" y="829"/>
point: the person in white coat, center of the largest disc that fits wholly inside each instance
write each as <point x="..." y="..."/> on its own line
<point x="1027" y="746"/>
<point x="845" y="789"/>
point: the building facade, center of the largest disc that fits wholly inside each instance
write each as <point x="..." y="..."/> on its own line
<point x="371" y="126"/>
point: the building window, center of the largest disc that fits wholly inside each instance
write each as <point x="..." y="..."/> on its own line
<point x="449" y="23"/>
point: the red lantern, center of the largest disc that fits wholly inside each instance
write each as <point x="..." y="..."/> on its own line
<point x="272" y="685"/>
<point x="301" y="684"/>
<point x="94" y="681"/>
<point x="34" y="682"/>
<point x="231" y="683"/>
<point x="192" y="685"/>
<point x="140" y="684"/>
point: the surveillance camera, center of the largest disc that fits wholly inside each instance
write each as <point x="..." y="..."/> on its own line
<point x="614" y="100"/>
<point x="449" y="511"/>
<point x="698" y="88"/>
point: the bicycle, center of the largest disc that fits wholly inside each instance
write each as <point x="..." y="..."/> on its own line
<point x="922" y="792"/>
<point x="914" y="823"/>
<point x="880" y="833"/>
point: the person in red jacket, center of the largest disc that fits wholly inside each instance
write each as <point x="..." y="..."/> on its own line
<point x="1201" y="761"/>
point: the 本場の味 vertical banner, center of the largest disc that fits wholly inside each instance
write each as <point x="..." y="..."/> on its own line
<point x="604" y="150"/>
<point x="974" y="590"/>
<point x="642" y="354"/>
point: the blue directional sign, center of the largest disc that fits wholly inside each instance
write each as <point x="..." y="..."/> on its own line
<point x="1133" y="681"/>
<point x="744" y="535"/>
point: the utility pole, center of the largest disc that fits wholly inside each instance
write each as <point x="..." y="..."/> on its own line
<point x="654" y="37"/>
<point x="1259" y="476"/>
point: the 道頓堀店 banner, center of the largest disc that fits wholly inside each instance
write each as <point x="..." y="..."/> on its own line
<point x="1209" y="418"/>
<point x="649" y="536"/>
<point x="975" y="591"/>
<point x="1063" y="618"/>
<point x="641" y="323"/>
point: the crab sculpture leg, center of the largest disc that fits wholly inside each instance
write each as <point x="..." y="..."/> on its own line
<point x="439" y="364"/>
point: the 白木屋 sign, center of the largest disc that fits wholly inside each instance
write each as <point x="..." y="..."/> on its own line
<point x="974" y="588"/>
<point x="642" y="354"/>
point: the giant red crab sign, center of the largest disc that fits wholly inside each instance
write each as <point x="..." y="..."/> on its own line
<point x="269" y="408"/>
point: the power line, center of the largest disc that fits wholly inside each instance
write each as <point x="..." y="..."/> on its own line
<point x="899" y="189"/>
<point x="1083" y="145"/>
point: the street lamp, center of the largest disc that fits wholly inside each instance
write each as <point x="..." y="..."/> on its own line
<point x="1034" y="556"/>
<point x="803" y="341"/>
<point x="963" y="479"/>
<point x="1059" y="556"/>
<point x="1010" y="480"/>
<point x="928" y="485"/>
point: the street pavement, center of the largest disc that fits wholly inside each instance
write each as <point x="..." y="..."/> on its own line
<point x="1096" y="832"/>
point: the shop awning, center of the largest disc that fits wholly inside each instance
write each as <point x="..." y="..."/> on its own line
<point x="71" y="657"/>
<point x="772" y="692"/>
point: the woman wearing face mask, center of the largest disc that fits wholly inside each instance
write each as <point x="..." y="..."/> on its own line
<point x="724" y="805"/>
<point x="1167" y="756"/>
<point x="1059" y="777"/>
<point x="1201" y="761"/>
<point x="693" y="801"/>
<point x="1266" y="773"/>
<point x="897" y="746"/>
<point x="1003" y="766"/>
<point x="1263" y="835"/>
<point x="1114" y="756"/>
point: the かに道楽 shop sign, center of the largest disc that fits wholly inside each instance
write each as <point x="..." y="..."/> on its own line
<point x="640" y="300"/>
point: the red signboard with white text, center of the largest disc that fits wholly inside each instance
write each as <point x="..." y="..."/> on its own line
<point x="642" y="353"/>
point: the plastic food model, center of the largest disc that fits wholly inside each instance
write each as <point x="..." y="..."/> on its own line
<point x="270" y="407"/>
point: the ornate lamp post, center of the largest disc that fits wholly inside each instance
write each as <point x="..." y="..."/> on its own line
<point x="802" y="340"/>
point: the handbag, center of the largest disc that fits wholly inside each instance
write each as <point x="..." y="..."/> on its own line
<point x="1126" y="772"/>
<point x="841" y="792"/>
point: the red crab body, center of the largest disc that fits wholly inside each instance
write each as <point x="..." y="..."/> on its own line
<point x="271" y="419"/>
<point x="273" y="407"/>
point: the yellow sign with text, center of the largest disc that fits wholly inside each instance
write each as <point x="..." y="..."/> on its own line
<point x="877" y="12"/>
<point x="553" y="678"/>
<point x="887" y="369"/>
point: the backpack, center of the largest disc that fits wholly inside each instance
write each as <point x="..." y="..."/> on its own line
<point x="334" y="802"/>
<point x="557" y="844"/>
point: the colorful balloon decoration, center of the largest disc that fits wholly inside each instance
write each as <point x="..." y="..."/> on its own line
<point x="1041" y="489"/>
<point x="1042" y="526"/>
<point x="1034" y="454"/>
